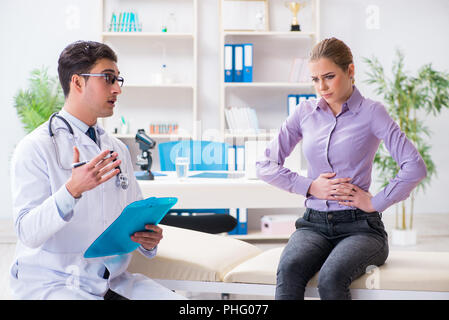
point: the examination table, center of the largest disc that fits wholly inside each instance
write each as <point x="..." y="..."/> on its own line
<point x="200" y="262"/>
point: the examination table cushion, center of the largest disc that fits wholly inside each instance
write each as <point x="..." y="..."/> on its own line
<point x="185" y="254"/>
<point x="403" y="270"/>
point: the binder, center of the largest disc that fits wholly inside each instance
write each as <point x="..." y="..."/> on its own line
<point x="231" y="158"/>
<point x="242" y="220"/>
<point x="228" y="62"/>
<point x="248" y="62"/>
<point x="254" y="150"/>
<point x="238" y="63"/>
<point x="233" y="212"/>
<point x="240" y="158"/>
<point x="116" y="239"/>
<point x="292" y="102"/>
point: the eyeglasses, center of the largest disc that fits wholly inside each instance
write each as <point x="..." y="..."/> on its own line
<point x="109" y="77"/>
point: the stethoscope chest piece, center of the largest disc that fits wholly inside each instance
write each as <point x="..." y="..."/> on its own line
<point x="122" y="181"/>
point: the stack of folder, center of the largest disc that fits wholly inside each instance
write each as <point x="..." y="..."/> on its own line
<point x="293" y="101"/>
<point x="241" y="214"/>
<point x="242" y="120"/>
<point x="236" y="162"/>
<point x="238" y="62"/>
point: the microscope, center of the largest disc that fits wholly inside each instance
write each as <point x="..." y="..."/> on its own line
<point x="145" y="160"/>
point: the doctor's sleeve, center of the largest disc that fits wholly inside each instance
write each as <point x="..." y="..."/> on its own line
<point x="36" y="215"/>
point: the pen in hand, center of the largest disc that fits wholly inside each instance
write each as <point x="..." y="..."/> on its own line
<point x="78" y="164"/>
<point x="82" y="163"/>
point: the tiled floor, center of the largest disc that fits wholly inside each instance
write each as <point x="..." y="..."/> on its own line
<point x="432" y="235"/>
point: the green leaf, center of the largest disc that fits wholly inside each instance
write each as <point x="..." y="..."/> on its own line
<point x="43" y="97"/>
<point x="403" y="95"/>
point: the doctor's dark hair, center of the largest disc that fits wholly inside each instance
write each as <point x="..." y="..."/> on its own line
<point x="81" y="57"/>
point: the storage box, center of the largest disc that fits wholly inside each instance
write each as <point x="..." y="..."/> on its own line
<point x="282" y="224"/>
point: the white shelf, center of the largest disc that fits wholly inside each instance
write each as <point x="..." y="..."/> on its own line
<point x="154" y="136"/>
<point x="147" y="35"/>
<point x="272" y="53"/>
<point x="168" y="85"/>
<point x="269" y="134"/>
<point x="290" y="34"/>
<point x="297" y="85"/>
<point x="140" y="56"/>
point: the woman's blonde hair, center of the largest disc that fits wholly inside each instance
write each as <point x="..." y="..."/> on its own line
<point x="333" y="49"/>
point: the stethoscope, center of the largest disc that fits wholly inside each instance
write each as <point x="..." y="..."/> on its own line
<point x="122" y="180"/>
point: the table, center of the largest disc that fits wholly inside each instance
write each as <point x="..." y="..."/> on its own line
<point x="220" y="192"/>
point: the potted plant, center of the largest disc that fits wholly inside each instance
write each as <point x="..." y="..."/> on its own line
<point x="44" y="97"/>
<point x="404" y="95"/>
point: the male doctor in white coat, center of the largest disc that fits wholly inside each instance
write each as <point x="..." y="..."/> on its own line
<point x="60" y="211"/>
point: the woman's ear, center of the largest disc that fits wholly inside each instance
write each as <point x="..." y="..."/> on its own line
<point x="351" y="72"/>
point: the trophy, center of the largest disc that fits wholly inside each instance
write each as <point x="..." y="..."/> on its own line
<point x="294" y="7"/>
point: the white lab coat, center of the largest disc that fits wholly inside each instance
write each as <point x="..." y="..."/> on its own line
<point x="49" y="262"/>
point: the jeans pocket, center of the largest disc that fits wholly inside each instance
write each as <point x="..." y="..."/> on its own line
<point x="302" y="223"/>
<point x="376" y="224"/>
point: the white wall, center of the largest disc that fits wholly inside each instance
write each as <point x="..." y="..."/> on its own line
<point x="33" y="33"/>
<point x="419" y="29"/>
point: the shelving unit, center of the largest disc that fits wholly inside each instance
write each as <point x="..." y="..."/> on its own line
<point x="273" y="52"/>
<point x="145" y="99"/>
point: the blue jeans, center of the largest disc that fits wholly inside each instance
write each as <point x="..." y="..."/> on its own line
<point x="341" y="245"/>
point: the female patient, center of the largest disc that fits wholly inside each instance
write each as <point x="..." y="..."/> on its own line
<point x="341" y="232"/>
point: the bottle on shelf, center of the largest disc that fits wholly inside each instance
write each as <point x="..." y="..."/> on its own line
<point x="170" y="24"/>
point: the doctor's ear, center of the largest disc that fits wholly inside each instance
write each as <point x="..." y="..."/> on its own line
<point x="77" y="82"/>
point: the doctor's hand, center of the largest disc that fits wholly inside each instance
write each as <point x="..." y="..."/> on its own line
<point x="349" y="194"/>
<point x="148" y="239"/>
<point x="93" y="173"/>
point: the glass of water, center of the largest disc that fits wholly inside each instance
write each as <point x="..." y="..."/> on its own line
<point x="182" y="167"/>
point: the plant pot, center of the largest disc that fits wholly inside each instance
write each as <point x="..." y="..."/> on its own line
<point x="401" y="237"/>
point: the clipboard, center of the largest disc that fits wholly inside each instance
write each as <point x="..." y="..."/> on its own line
<point x="116" y="239"/>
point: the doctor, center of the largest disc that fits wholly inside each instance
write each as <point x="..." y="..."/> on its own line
<point x="59" y="210"/>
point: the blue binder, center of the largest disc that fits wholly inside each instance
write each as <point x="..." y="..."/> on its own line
<point x="238" y="63"/>
<point x="116" y="239"/>
<point x="235" y="213"/>
<point x="295" y="99"/>
<point x="228" y="62"/>
<point x="242" y="214"/>
<point x="247" y="62"/>
<point x="292" y="102"/>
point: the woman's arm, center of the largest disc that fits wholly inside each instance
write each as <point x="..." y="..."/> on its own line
<point x="270" y="168"/>
<point x="412" y="167"/>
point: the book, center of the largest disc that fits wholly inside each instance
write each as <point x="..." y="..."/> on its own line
<point x="243" y="119"/>
<point x="299" y="71"/>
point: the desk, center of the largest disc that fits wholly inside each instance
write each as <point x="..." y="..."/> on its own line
<point x="220" y="193"/>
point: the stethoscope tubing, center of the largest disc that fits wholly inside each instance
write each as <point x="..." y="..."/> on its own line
<point x="122" y="180"/>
